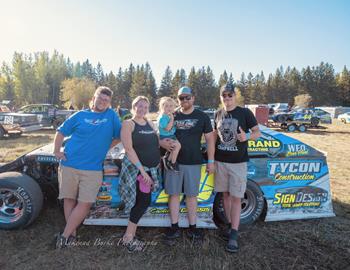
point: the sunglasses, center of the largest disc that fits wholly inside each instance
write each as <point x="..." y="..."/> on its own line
<point x="227" y="95"/>
<point x="185" y="98"/>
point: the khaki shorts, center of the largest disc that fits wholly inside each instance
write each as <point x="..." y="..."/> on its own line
<point x="79" y="185"/>
<point x="231" y="177"/>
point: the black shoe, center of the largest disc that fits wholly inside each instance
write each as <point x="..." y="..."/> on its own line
<point x="176" y="167"/>
<point x="173" y="166"/>
<point x="135" y="245"/>
<point x="170" y="165"/>
<point x="195" y="234"/>
<point x="172" y="233"/>
<point x="165" y="163"/>
<point x="61" y="241"/>
<point x="232" y="245"/>
<point x="71" y="240"/>
<point x="225" y="233"/>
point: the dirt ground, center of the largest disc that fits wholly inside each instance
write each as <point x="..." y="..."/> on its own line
<point x="302" y="244"/>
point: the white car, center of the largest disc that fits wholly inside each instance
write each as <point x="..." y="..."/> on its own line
<point x="345" y="117"/>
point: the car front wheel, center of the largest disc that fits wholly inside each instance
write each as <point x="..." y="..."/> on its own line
<point x="21" y="200"/>
<point x="253" y="205"/>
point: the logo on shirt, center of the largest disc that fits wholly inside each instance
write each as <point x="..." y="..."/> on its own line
<point x="227" y="132"/>
<point x="95" y="122"/>
<point x="186" y="124"/>
<point x="147" y="132"/>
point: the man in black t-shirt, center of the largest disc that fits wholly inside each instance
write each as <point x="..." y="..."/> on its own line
<point x="234" y="126"/>
<point x="190" y="125"/>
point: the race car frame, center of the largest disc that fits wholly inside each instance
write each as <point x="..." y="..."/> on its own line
<point x="287" y="180"/>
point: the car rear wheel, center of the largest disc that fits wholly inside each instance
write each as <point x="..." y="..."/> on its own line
<point x="253" y="205"/>
<point x="21" y="200"/>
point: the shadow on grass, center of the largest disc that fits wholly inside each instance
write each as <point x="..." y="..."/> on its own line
<point x="341" y="209"/>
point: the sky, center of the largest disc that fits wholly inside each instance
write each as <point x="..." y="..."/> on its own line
<point x="237" y="36"/>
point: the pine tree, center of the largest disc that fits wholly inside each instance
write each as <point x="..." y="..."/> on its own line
<point x="193" y="81"/>
<point x="343" y="86"/>
<point x="126" y="85"/>
<point x="242" y="85"/>
<point x="178" y="81"/>
<point x="7" y="85"/>
<point x="77" y="70"/>
<point x="88" y="70"/>
<point x="152" y="91"/>
<point x="111" y="82"/>
<point x="166" y="83"/>
<point x="99" y="75"/>
<point x="223" y="79"/>
<point x="139" y="86"/>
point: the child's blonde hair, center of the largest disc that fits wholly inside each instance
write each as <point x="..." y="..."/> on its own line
<point x="164" y="100"/>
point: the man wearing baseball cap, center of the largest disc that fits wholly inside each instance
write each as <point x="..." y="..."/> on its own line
<point x="234" y="126"/>
<point x="190" y="125"/>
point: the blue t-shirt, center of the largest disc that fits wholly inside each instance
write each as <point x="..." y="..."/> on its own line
<point x="91" y="134"/>
<point x="163" y="121"/>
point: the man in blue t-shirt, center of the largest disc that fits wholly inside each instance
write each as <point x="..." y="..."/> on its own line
<point x="91" y="133"/>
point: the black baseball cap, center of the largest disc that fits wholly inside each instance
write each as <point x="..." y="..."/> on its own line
<point x="227" y="87"/>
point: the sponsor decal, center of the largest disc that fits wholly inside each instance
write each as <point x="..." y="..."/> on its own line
<point x="294" y="170"/>
<point x="297" y="150"/>
<point x="182" y="210"/>
<point x="265" y="145"/>
<point x="302" y="197"/>
<point x="8" y="120"/>
<point x="46" y="159"/>
<point x="26" y="199"/>
<point x="251" y="169"/>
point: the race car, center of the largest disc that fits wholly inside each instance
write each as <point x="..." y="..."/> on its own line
<point x="308" y="116"/>
<point x="287" y="179"/>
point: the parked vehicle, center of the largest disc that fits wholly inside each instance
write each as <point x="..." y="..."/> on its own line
<point x="124" y="113"/>
<point x="14" y="124"/>
<point x="278" y="107"/>
<point x="345" y="117"/>
<point x="211" y="114"/>
<point x="301" y="119"/>
<point x="49" y="115"/>
<point x="287" y="179"/>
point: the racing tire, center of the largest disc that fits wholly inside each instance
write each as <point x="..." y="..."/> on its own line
<point x="282" y="118"/>
<point x="2" y="132"/>
<point x="302" y="128"/>
<point x="21" y="200"/>
<point x="291" y="127"/>
<point x="253" y="205"/>
<point x="56" y="123"/>
<point x="314" y="121"/>
<point x="15" y="135"/>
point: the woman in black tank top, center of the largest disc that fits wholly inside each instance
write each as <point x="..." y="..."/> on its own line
<point x="141" y="144"/>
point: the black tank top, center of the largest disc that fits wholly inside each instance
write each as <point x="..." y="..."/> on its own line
<point x="146" y="145"/>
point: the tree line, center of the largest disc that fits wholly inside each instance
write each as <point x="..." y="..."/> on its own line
<point x="44" y="78"/>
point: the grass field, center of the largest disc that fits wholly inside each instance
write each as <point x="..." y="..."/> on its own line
<point x="302" y="244"/>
